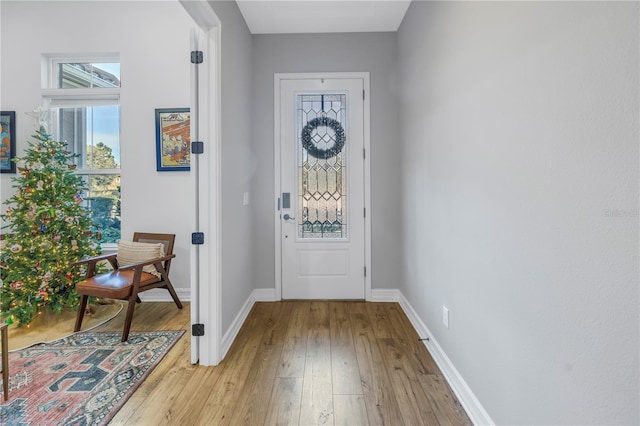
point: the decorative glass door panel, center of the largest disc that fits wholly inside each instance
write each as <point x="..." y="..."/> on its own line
<point x="322" y="165"/>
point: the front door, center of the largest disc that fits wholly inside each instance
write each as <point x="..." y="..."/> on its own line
<point x="322" y="224"/>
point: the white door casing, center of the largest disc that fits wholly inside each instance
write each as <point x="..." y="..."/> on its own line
<point x="322" y="233"/>
<point x="206" y="279"/>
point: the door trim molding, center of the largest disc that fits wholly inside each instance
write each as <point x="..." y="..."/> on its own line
<point x="206" y="349"/>
<point x="278" y="77"/>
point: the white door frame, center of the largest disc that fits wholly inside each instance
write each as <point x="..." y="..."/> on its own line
<point x="364" y="76"/>
<point x="206" y="278"/>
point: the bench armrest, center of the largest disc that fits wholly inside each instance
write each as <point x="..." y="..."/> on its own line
<point x="146" y="262"/>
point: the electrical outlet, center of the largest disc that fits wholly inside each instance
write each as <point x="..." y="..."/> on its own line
<point x="245" y="199"/>
<point x="445" y="316"/>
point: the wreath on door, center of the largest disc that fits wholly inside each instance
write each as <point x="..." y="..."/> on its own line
<point x="313" y="149"/>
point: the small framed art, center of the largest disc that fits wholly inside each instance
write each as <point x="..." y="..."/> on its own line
<point x="7" y="141"/>
<point x="173" y="139"/>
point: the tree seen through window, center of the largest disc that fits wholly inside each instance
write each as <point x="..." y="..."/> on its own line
<point x="103" y="196"/>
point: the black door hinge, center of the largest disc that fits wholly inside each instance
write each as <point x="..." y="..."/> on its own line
<point x="197" y="147"/>
<point x="197" y="238"/>
<point x="197" y="329"/>
<point x="197" y="57"/>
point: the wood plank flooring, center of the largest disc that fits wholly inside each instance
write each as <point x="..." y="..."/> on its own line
<point x="296" y="363"/>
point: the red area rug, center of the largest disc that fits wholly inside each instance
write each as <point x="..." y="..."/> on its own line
<point x="83" y="379"/>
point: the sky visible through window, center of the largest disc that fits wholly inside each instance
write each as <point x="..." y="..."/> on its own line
<point x="104" y="126"/>
<point x="106" y="119"/>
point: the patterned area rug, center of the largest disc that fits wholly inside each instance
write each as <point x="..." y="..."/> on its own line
<point x="83" y="379"/>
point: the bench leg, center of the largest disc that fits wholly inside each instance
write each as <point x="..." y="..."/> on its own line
<point x="127" y="322"/>
<point x="80" y="315"/>
<point x="5" y="361"/>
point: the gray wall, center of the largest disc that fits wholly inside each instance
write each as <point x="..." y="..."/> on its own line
<point x="365" y="52"/>
<point x="520" y="179"/>
<point x="237" y="280"/>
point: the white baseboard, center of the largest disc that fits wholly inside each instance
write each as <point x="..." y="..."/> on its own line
<point x="467" y="398"/>
<point x="162" y="295"/>
<point x="265" y="295"/>
<point x="385" y="295"/>
<point x="258" y="295"/>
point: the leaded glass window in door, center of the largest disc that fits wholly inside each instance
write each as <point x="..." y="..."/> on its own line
<point x="322" y="166"/>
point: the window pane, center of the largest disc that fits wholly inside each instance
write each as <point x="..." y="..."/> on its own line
<point x="92" y="132"/>
<point x="322" y="166"/>
<point x="88" y="75"/>
<point x="102" y="198"/>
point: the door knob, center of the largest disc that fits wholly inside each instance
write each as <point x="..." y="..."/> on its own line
<point x="287" y="217"/>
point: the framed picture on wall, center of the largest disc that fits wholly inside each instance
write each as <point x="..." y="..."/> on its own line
<point x="173" y="139"/>
<point x="7" y="141"/>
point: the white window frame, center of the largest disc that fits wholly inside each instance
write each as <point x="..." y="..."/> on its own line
<point x="51" y="63"/>
<point x="54" y="97"/>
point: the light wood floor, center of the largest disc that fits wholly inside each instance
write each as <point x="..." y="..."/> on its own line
<point x="306" y="363"/>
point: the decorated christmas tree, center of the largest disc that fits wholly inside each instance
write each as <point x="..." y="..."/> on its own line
<point x="47" y="231"/>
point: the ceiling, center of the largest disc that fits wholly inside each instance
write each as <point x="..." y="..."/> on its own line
<point x="322" y="16"/>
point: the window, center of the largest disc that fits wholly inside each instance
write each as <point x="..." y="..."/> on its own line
<point x="322" y="166"/>
<point x="82" y="96"/>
